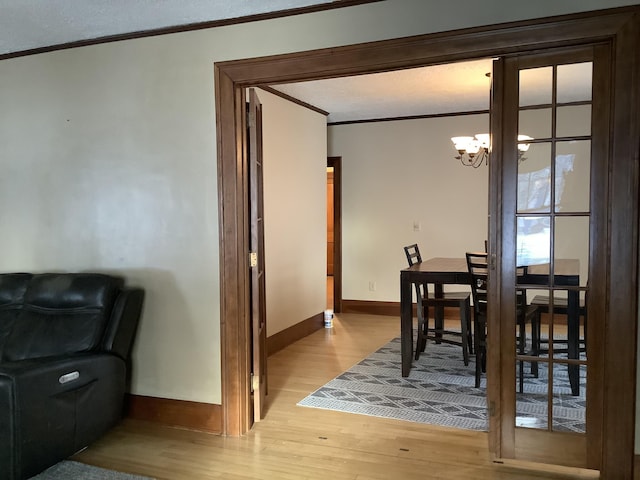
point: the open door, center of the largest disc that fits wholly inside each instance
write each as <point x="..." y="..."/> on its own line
<point x="336" y="211"/>
<point x="256" y="258"/>
<point x="550" y="171"/>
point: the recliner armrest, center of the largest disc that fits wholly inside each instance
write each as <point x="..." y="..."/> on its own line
<point x="125" y="317"/>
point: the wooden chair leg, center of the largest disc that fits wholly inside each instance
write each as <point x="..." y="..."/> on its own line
<point x="521" y="377"/>
<point x="535" y="342"/>
<point x="464" y="322"/>
<point x="423" y="328"/>
<point x="480" y="364"/>
<point x="438" y="323"/>
<point x="479" y="349"/>
<point x="467" y="307"/>
<point x="419" y="340"/>
<point x="478" y="367"/>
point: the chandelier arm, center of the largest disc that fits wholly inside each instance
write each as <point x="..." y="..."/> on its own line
<point x="474" y="160"/>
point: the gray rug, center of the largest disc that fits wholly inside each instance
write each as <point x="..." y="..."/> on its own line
<point x="440" y="391"/>
<point x="70" y="470"/>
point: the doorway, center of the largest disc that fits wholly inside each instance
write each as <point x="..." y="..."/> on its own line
<point x="334" y="234"/>
<point x="617" y="451"/>
<point x="330" y="241"/>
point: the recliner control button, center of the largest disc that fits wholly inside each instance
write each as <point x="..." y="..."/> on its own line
<point x="69" y="377"/>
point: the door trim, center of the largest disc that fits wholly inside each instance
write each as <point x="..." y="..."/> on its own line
<point x="619" y="26"/>
<point x="336" y="163"/>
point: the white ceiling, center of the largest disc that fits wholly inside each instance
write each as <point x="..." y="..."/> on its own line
<point x="450" y="88"/>
<point x="459" y="87"/>
<point x="35" y="24"/>
<point x="29" y="24"/>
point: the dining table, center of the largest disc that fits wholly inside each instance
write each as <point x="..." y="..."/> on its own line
<point x="441" y="271"/>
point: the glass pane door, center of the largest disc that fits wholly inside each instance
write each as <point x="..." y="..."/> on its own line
<point x="552" y="246"/>
<point x="548" y="246"/>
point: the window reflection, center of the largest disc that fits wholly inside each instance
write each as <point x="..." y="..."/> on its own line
<point x="535" y="196"/>
<point x="534" y="191"/>
<point x="534" y="188"/>
<point x="533" y="240"/>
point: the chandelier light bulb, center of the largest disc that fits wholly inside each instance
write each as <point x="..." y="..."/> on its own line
<point x="523" y="147"/>
<point x="473" y="148"/>
<point x="461" y="143"/>
<point x="484" y="139"/>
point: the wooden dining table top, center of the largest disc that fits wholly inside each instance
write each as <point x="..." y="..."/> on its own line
<point x="440" y="264"/>
<point x="561" y="266"/>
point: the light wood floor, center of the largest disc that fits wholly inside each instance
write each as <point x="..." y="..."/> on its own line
<point x="303" y="443"/>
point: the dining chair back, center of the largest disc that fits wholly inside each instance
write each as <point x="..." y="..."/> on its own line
<point x="477" y="264"/>
<point x="427" y="301"/>
<point x="413" y="254"/>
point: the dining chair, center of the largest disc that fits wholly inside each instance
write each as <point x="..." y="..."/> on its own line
<point x="527" y="314"/>
<point x="427" y="301"/>
<point x="479" y="272"/>
<point x="477" y="264"/>
<point x="560" y="307"/>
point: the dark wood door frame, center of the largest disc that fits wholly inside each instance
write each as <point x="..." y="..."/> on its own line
<point x="620" y="27"/>
<point x="336" y="163"/>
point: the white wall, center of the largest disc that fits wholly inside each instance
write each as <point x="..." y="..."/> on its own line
<point x="108" y="159"/>
<point x="396" y="174"/>
<point x="401" y="173"/>
<point x="295" y="203"/>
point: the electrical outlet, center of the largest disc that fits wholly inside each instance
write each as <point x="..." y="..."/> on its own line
<point x="372" y="286"/>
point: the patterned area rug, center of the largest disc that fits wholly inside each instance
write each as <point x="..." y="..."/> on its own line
<point x="440" y="391"/>
<point x="70" y="470"/>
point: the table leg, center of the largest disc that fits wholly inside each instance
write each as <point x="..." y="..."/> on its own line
<point x="406" y="324"/>
<point x="573" y="339"/>
<point x="438" y="314"/>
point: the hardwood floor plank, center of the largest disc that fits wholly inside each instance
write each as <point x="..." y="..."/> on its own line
<point x="300" y="443"/>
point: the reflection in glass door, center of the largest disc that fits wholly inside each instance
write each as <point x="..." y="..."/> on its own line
<point x="553" y="202"/>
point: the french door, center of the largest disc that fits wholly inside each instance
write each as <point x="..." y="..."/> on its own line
<point x="550" y="168"/>
<point x="258" y="322"/>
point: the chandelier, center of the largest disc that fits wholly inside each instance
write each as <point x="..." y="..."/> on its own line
<point x="474" y="151"/>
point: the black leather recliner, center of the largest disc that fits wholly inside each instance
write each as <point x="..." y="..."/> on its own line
<point x="65" y="343"/>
